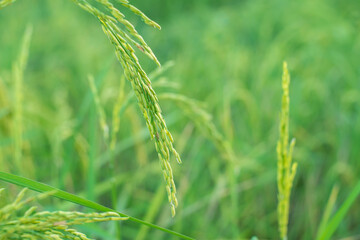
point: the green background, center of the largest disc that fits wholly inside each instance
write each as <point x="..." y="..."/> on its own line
<point x="226" y="54"/>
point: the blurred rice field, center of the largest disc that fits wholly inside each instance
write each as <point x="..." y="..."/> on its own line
<point x="225" y="58"/>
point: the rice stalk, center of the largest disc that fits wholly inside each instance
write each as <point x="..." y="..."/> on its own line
<point x="140" y="82"/>
<point x="5" y="122"/>
<point x="155" y="205"/>
<point x="82" y="149"/>
<point x="285" y="168"/>
<point x="3" y="164"/>
<point x="338" y="217"/>
<point x="45" y="225"/>
<point x="5" y="102"/>
<point x="114" y="132"/>
<point x="160" y="70"/>
<point x="134" y="38"/>
<point x="328" y="210"/>
<point x="63" y="130"/>
<point x="116" y="114"/>
<point x="99" y="108"/>
<point x="18" y="71"/>
<point x="203" y="120"/>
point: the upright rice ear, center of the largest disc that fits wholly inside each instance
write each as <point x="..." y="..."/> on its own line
<point x="285" y="169"/>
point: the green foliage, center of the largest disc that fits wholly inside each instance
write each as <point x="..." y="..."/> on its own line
<point x="226" y="61"/>
<point x="328" y="209"/>
<point x="330" y="226"/>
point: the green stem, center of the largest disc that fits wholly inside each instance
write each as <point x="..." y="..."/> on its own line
<point x="113" y="192"/>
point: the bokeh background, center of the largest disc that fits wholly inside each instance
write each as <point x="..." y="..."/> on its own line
<point x="227" y="55"/>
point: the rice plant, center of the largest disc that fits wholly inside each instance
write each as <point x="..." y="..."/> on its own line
<point x="286" y="169"/>
<point x="78" y="123"/>
<point x="45" y="225"/>
<point x="18" y="76"/>
<point x="139" y="80"/>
